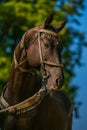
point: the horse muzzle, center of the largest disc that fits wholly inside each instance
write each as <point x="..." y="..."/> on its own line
<point x="56" y="84"/>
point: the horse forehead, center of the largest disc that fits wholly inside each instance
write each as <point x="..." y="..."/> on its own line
<point x="50" y="36"/>
<point x="32" y="35"/>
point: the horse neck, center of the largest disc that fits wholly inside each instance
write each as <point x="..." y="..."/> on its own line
<point x="21" y="85"/>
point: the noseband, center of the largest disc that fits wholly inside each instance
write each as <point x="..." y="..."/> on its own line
<point x="41" y="57"/>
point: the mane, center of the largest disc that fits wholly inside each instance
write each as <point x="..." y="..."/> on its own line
<point x="28" y="38"/>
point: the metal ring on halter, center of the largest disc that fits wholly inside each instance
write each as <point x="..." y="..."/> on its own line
<point x="40" y="52"/>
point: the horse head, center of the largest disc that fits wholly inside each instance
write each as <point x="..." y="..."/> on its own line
<point x="44" y="52"/>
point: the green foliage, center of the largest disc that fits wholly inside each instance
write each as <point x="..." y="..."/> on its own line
<point x="5" y="62"/>
<point x="16" y="16"/>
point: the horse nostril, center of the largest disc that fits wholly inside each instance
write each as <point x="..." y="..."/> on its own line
<point x="59" y="81"/>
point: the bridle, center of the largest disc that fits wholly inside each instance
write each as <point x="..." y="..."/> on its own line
<point x="17" y="65"/>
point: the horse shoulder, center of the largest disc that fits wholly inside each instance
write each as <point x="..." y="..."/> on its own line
<point x="53" y="111"/>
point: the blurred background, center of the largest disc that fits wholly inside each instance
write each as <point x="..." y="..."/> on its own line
<point x="17" y="16"/>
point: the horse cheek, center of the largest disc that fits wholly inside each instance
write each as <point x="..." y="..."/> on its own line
<point x="33" y="56"/>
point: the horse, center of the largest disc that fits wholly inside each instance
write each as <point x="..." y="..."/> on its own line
<point x="32" y="99"/>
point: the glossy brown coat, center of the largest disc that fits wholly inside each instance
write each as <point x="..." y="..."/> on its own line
<point x="54" y="112"/>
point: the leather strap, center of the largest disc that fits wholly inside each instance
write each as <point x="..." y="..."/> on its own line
<point x="3" y="102"/>
<point x="40" y="51"/>
<point x="49" y="32"/>
<point x="28" y="104"/>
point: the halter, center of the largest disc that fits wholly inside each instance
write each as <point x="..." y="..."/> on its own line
<point x="17" y="65"/>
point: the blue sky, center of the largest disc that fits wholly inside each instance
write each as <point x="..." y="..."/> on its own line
<point x="81" y="81"/>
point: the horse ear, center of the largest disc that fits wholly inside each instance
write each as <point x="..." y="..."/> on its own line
<point x="60" y="26"/>
<point x="48" y="21"/>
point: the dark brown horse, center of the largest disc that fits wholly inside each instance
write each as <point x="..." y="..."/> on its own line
<point x="31" y="99"/>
